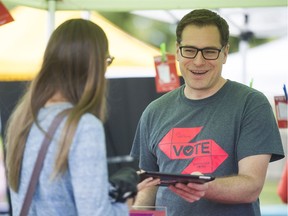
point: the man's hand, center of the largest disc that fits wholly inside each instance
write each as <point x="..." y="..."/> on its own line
<point x="191" y="192"/>
<point x="148" y="182"/>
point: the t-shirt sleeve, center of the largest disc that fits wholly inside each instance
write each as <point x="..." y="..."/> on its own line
<point x="88" y="170"/>
<point x="259" y="131"/>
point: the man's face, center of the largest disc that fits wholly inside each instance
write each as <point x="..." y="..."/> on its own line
<point x="202" y="77"/>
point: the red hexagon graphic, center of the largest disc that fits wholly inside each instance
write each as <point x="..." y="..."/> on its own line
<point x="206" y="155"/>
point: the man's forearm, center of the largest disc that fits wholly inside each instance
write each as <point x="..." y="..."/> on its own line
<point x="146" y="197"/>
<point x="234" y="189"/>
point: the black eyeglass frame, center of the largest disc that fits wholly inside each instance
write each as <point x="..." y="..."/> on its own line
<point x="201" y="50"/>
<point x="109" y="60"/>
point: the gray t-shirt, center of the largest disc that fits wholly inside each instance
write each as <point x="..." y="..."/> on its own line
<point x="178" y="135"/>
<point x="83" y="189"/>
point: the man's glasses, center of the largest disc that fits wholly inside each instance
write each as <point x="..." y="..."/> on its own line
<point x="109" y="60"/>
<point x="191" y="52"/>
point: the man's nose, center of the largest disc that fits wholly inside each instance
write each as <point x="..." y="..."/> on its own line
<point x="199" y="59"/>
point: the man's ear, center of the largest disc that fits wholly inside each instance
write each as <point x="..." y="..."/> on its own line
<point x="226" y="52"/>
<point x="177" y="51"/>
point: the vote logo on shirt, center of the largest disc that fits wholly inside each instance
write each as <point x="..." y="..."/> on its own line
<point x="206" y="155"/>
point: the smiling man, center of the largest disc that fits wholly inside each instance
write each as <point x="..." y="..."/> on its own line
<point x="210" y="125"/>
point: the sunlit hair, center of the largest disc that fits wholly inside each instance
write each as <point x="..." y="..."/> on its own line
<point x="74" y="64"/>
<point x="204" y="17"/>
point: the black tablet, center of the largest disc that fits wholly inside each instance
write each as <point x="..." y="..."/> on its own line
<point x="169" y="178"/>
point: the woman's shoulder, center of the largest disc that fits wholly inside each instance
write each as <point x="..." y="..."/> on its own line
<point x="90" y="120"/>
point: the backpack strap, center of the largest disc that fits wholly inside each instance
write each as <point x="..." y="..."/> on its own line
<point x="39" y="162"/>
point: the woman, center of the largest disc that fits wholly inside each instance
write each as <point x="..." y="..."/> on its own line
<point x="74" y="179"/>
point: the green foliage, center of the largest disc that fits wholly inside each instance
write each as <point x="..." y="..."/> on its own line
<point x="150" y="31"/>
<point x="269" y="194"/>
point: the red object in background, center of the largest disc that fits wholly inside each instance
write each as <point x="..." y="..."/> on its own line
<point x="282" y="185"/>
<point x="281" y="107"/>
<point x="166" y="78"/>
<point x="147" y="213"/>
<point x="5" y="16"/>
<point x="141" y="214"/>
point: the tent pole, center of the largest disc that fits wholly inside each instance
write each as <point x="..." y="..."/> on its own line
<point x="244" y="46"/>
<point x="51" y="17"/>
<point x="245" y="36"/>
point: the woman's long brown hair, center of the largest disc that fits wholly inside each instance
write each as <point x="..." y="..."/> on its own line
<point x="74" y="64"/>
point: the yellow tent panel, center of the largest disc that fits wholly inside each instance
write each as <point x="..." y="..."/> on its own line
<point x="23" y="41"/>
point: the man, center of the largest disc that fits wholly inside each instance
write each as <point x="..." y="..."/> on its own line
<point x="209" y="125"/>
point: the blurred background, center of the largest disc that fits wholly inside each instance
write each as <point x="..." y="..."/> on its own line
<point x="258" y="55"/>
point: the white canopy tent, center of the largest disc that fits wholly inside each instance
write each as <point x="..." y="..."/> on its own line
<point x="263" y="21"/>
<point x="130" y="5"/>
<point x="266" y="66"/>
